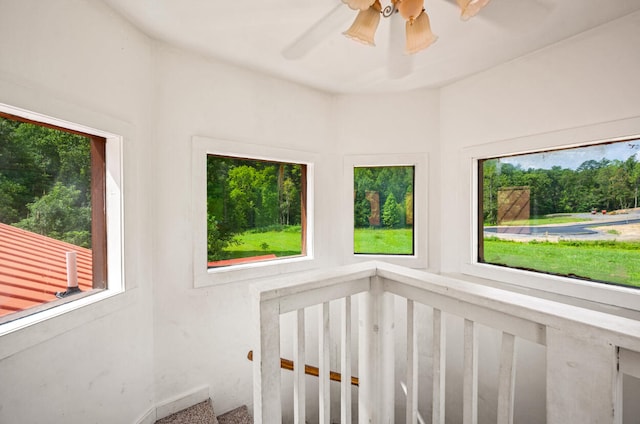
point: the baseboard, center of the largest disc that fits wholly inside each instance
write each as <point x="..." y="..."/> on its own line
<point x="175" y="404"/>
<point x="148" y="418"/>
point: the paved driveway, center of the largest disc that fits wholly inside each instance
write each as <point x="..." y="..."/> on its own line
<point x="583" y="230"/>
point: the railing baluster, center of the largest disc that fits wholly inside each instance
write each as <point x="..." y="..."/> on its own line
<point x="345" y="368"/>
<point x="629" y="364"/>
<point x="587" y="352"/>
<point x="266" y="369"/>
<point x="412" y="365"/>
<point x="507" y="379"/>
<point x="439" y="367"/>
<point x="299" y="386"/>
<point x="581" y="378"/>
<point x="470" y="379"/>
<point x="324" y="359"/>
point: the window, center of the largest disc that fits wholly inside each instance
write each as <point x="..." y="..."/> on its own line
<point x="59" y="194"/>
<point x="383" y="210"/>
<point x="256" y="210"/>
<point x="399" y="182"/>
<point x="571" y="212"/>
<point x="252" y="211"/>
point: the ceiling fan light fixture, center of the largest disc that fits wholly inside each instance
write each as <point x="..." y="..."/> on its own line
<point x="409" y="9"/>
<point x="470" y="8"/>
<point x="359" y="4"/>
<point x="419" y="34"/>
<point x="365" y="25"/>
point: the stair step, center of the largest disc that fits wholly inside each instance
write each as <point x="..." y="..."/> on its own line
<point x="200" y="413"/>
<point x="239" y="415"/>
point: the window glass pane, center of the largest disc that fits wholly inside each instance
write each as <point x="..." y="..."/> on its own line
<point x="383" y="210"/>
<point x="571" y="212"/>
<point x="45" y="215"/>
<point x="255" y="210"/>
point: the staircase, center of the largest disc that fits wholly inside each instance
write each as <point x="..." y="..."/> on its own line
<point x="202" y="413"/>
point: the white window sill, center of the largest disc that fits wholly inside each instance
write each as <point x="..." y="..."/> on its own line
<point x="253" y="270"/>
<point x="619" y="300"/>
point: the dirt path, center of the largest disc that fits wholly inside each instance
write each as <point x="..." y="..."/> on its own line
<point x="626" y="232"/>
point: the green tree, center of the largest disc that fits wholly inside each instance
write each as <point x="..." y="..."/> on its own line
<point x="289" y="195"/>
<point x="490" y="183"/>
<point x="391" y="212"/>
<point x="59" y="214"/>
<point x="385" y="180"/>
<point x="243" y="197"/>
<point x="218" y="238"/>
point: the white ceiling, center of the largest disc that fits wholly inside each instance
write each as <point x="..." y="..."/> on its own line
<point x="253" y="34"/>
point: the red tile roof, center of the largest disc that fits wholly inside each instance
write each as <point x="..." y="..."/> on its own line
<point x="33" y="268"/>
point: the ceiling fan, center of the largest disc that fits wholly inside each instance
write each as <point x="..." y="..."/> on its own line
<point x="409" y="26"/>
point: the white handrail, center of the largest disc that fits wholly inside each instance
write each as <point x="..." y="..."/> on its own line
<point x="577" y="341"/>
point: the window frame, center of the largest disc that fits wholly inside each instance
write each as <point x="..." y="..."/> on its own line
<point x="108" y="211"/>
<point x="557" y="287"/>
<point x="420" y="192"/>
<point x="204" y="276"/>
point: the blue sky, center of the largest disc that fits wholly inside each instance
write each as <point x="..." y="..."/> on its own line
<point x="573" y="158"/>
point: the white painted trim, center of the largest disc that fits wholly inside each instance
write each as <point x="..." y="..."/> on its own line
<point x="201" y="146"/>
<point x="115" y="221"/>
<point x="148" y="418"/>
<point x="175" y="404"/>
<point x="181" y="401"/>
<point x="420" y="214"/>
<point x="580" y="136"/>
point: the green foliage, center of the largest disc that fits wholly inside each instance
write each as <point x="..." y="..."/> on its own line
<point x="250" y="196"/>
<point x="218" y="239"/>
<point x="604" y="184"/>
<point x="61" y="215"/>
<point x="392" y="212"/>
<point x="361" y="213"/>
<point x="45" y="183"/>
<point x="9" y="207"/>
<point x="387" y="181"/>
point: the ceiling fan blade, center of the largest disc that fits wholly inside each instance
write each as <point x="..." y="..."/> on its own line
<point x="327" y="26"/>
<point x="400" y="64"/>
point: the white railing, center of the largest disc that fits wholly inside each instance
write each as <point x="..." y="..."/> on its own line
<point x="587" y="352"/>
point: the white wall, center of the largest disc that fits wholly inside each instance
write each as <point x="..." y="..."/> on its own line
<point x="390" y="125"/>
<point x="203" y="335"/>
<point x="584" y="89"/>
<point x="78" y="61"/>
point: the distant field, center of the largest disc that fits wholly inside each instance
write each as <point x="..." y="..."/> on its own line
<point x="383" y="241"/>
<point x="610" y="261"/>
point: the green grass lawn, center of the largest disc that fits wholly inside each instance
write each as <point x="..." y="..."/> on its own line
<point x="383" y="241"/>
<point x="287" y="242"/>
<point x="609" y="261"/>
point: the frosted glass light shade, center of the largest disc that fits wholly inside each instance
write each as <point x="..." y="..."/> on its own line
<point x="419" y="35"/>
<point x="359" y="4"/>
<point x="470" y="8"/>
<point x="364" y="27"/>
<point x="410" y="9"/>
